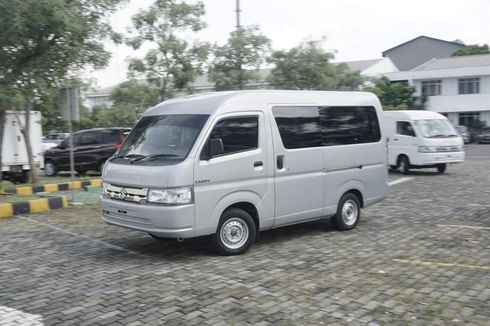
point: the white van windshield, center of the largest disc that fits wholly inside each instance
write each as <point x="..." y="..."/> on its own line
<point x="435" y="128"/>
<point x="157" y="138"/>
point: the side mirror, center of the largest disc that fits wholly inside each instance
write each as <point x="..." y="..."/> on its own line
<point x="216" y="147"/>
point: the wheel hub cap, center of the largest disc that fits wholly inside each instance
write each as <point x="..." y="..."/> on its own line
<point x="234" y="233"/>
<point x="349" y="212"/>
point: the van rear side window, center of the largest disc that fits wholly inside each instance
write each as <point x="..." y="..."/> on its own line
<point x="299" y="126"/>
<point x="311" y="126"/>
<point x="344" y="125"/>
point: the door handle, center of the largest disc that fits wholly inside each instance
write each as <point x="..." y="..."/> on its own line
<point x="396" y="139"/>
<point x="258" y="164"/>
<point x="280" y="162"/>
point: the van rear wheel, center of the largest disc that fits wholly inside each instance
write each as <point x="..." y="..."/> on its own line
<point x="403" y="165"/>
<point x="235" y="234"/>
<point x="348" y="212"/>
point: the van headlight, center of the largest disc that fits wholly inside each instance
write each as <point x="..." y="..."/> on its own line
<point x="176" y="196"/>
<point x="427" y="149"/>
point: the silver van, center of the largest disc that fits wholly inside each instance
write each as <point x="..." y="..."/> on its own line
<point x="231" y="164"/>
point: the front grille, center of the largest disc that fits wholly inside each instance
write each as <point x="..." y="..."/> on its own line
<point x="134" y="195"/>
<point x="448" y="149"/>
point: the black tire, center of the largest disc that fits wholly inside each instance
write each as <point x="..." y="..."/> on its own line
<point x="403" y="164"/>
<point x="441" y="168"/>
<point x="234" y="223"/>
<point x="24" y="178"/>
<point x="50" y="168"/>
<point x="348" y="212"/>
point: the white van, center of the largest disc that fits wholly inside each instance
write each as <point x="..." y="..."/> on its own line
<point x="230" y="164"/>
<point x="421" y="139"/>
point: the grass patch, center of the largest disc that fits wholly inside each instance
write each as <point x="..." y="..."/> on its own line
<point x="64" y="178"/>
<point x="16" y="198"/>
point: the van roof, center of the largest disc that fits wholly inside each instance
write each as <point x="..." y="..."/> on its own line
<point x="414" y="114"/>
<point x="210" y="103"/>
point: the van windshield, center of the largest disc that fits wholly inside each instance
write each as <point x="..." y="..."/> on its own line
<point x="160" y="138"/>
<point x="435" y="128"/>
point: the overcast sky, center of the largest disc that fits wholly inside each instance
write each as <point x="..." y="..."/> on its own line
<point x="355" y="29"/>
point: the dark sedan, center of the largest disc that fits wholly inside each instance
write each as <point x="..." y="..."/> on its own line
<point x="91" y="148"/>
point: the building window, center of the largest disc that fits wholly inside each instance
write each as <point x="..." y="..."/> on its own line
<point x="469" y="85"/>
<point x="431" y="87"/>
<point x="467" y="118"/>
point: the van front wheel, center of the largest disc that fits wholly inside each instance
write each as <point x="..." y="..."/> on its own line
<point x="235" y="234"/>
<point x="403" y="164"/>
<point x="441" y="168"/>
<point x="348" y="212"/>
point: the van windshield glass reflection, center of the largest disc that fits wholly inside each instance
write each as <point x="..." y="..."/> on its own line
<point x="435" y="128"/>
<point x="157" y="138"/>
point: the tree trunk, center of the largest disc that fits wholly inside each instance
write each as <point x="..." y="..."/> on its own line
<point x="2" y="127"/>
<point x="25" y="130"/>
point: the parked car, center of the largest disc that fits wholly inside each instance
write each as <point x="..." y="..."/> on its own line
<point x="464" y="133"/>
<point x="91" y="147"/>
<point x="55" y="138"/>
<point x="483" y="136"/>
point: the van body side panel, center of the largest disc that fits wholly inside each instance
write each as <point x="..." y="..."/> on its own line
<point x="298" y="184"/>
<point x="229" y="179"/>
<point x="361" y="167"/>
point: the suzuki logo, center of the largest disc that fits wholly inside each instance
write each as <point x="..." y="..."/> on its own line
<point x="123" y="194"/>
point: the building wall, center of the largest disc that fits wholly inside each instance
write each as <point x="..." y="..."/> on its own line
<point x="420" y="50"/>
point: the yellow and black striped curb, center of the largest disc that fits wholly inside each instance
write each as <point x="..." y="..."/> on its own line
<point x="33" y="206"/>
<point x="53" y="187"/>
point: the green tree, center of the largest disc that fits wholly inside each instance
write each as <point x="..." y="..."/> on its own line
<point x="471" y="50"/>
<point x="396" y="95"/>
<point x="135" y="93"/>
<point x="40" y="41"/>
<point x="308" y="67"/>
<point x="172" y="63"/>
<point x="236" y="64"/>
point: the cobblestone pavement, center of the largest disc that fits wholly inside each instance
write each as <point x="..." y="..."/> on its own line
<point x="420" y="257"/>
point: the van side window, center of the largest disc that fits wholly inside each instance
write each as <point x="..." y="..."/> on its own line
<point x="299" y="126"/>
<point x="404" y="128"/>
<point x="238" y="134"/>
<point x="344" y="125"/>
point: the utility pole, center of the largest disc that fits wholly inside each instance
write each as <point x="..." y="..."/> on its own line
<point x="238" y="11"/>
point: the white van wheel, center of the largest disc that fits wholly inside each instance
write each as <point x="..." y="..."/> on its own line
<point x="236" y="232"/>
<point x="348" y="212"/>
<point x="403" y="165"/>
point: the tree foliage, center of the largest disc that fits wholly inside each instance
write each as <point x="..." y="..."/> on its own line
<point x="172" y="63"/>
<point x="471" y="50"/>
<point x="236" y="64"/>
<point x="308" y="67"/>
<point x="41" y="40"/>
<point x="396" y="95"/>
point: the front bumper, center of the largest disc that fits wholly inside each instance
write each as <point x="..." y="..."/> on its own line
<point x="439" y="158"/>
<point x="159" y="220"/>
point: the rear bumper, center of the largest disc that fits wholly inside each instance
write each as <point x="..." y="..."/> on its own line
<point x="162" y="221"/>
<point x="438" y="158"/>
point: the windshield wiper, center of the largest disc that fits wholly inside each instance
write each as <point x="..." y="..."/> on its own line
<point x="153" y="157"/>
<point x="127" y="156"/>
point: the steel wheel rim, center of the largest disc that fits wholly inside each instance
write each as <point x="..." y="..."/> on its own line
<point x="350" y="212"/>
<point x="234" y="233"/>
<point x="49" y="168"/>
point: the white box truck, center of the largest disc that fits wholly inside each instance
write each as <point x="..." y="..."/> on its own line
<point x="15" y="162"/>
<point x="421" y="139"/>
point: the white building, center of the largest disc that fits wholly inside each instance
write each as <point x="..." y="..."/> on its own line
<point x="458" y="87"/>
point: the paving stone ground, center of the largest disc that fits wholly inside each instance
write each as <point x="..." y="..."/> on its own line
<point x="420" y="257"/>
